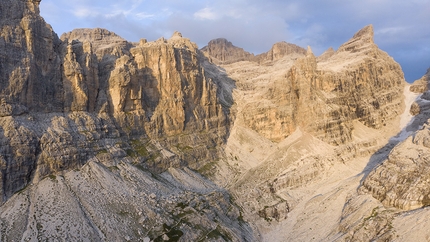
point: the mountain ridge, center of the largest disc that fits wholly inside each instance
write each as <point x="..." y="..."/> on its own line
<point x="222" y="51"/>
<point x="105" y="139"/>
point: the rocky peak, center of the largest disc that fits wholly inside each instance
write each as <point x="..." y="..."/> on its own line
<point x="103" y="42"/>
<point x="362" y="38"/>
<point x="221" y="42"/>
<point x="327" y="54"/>
<point x="96" y="34"/>
<point x="309" y="52"/>
<point x="179" y="41"/>
<point x="223" y="51"/>
<point x="176" y="34"/>
<point x="366" y="34"/>
<point x="278" y="51"/>
<point x="421" y="85"/>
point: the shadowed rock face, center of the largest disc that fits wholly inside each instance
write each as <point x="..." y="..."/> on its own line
<point x="29" y="59"/>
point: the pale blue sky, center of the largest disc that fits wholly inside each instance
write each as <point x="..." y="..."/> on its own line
<point x="402" y="28"/>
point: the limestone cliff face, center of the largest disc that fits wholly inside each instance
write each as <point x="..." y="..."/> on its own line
<point x="401" y="180"/>
<point x="64" y="101"/>
<point x="358" y="82"/>
<point x="163" y="81"/>
<point x="300" y="118"/>
<point x="30" y="63"/>
<point x="421" y="85"/>
<point x="30" y="68"/>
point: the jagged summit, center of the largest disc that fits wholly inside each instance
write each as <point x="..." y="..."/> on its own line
<point x="362" y="38"/>
<point x="102" y="41"/>
<point x="279" y="50"/>
<point x="421" y="85"/>
<point x="176" y="34"/>
<point x="181" y="42"/>
<point x="360" y="47"/>
<point x="87" y="34"/>
<point x="365" y="33"/>
<point x="309" y="51"/>
<point x="327" y="54"/>
<point x="223" y="51"/>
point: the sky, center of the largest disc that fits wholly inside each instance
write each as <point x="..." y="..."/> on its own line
<point x="402" y="28"/>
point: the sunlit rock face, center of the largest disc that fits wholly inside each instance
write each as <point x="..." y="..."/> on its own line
<point x="62" y="100"/>
<point x="401" y="181"/>
<point x="102" y="138"/>
<point x="92" y="110"/>
<point x="321" y="95"/>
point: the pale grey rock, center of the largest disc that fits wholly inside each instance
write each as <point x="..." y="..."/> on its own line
<point x="401" y="180"/>
<point x="278" y="51"/>
<point x="94" y="86"/>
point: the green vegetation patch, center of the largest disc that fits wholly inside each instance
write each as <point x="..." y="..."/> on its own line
<point x="102" y="151"/>
<point x="218" y="233"/>
<point x="183" y="148"/>
<point x="207" y="168"/>
<point x="138" y="149"/>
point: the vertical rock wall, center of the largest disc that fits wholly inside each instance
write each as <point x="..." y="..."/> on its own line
<point x="63" y="101"/>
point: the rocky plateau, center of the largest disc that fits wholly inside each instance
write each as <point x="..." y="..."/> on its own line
<point x="102" y="139"/>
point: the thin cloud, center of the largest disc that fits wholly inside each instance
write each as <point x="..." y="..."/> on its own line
<point x="84" y="12"/>
<point x="206" y="14"/>
<point x="143" y="15"/>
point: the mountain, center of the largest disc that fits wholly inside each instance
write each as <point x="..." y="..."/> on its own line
<point x="93" y="110"/>
<point x="222" y="51"/>
<point x="421" y="85"/>
<point x="400" y="181"/>
<point x="103" y="139"/>
<point x="327" y="54"/>
<point x="278" y="51"/>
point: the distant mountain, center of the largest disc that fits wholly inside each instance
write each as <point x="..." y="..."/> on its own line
<point x="221" y="51"/>
<point x="278" y="51"/>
